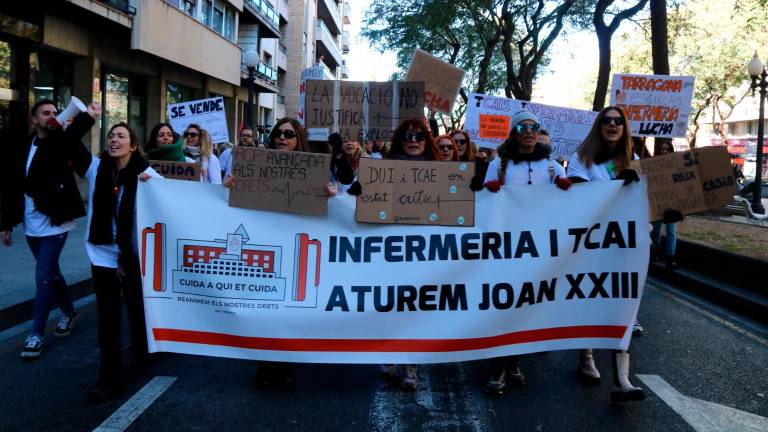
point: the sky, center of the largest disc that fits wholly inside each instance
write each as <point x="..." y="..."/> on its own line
<point x="574" y="60"/>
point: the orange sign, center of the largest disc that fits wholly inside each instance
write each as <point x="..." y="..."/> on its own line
<point x="494" y="126"/>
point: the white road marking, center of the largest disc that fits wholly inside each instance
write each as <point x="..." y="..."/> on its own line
<point x="132" y="409"/>
<point x="704" y="416"/>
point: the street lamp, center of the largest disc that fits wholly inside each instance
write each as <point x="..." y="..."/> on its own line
<point x="756" y="71"/>
<point x="251" y="59"/>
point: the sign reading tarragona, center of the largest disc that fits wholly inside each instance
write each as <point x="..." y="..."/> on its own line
<point x="289" y="287"/>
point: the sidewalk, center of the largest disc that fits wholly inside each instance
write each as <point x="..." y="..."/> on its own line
<point x="17" y="273"/>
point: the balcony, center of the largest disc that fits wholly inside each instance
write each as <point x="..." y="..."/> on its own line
<point x="327" y="74"/>
<point x="266" y="15"/>
<point x="264" y="77"/>
<point x="328" y="11"/>
<point x="347" y="14"/>
<point x="344" y="71"/>
<point x="345" y="42"/>
<point x="121" y="5"/>
<point x="327" y="45"/>
<point x="282" y="11"/>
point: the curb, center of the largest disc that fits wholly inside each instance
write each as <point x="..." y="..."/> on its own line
<point x="20" y="312"/>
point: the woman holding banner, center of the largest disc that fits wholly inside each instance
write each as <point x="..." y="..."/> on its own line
<point x="164" y="144"/>
<point x="199" y="149"/>
<point x="111" y="246"/>
<point x="605" y="154"/>
<point x="531" y="165"/>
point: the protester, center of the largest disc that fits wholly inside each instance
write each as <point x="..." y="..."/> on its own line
<point x="447" y="149"/>
<point x="368" y="147"/>
<point x="165" y="144"/>
<point x="605" y="154"/>
<point x="379" y="150"/>
<point x="40" y="191"/>
<point x="545" y="140"/>
<point x="465" y="146"/>
<point x="530" y="165"/>
<point x="670" y="243"/>
<point x="245" y="140"/>
<point x="351" y="152"/>
<point x="199" y="149"/>
<point x="639" y="148"/>
<point x="111" y="246"/>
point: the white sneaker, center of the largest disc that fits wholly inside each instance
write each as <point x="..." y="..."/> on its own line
<point x="65" y="325"/>
<point x="637" y="329"/>
<point x="33" y="347"/>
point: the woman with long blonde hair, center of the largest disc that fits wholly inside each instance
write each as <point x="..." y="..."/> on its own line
<point x="199" y="148"/>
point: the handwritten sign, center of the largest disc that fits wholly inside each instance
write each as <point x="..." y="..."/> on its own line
<point x="689" y="182"/>
<point x="361" y="110"/>
<point x="416" y="193"/>
<point x="656" y="105"/>
<point x="283" y="181"/>
<point x="442" y="80"/>
<point x="176" y="170"/>
<point x="567" y="127"/>
<point x="313" y="73"/>
<point x="208" y="113"/>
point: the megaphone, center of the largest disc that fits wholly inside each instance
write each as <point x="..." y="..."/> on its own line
<point x="75" y="107"/>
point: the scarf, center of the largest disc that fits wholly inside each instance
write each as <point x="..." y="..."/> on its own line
<point x="171" y="152"/>
<point x="194" y="153"/>
<point x="105" y="192"/>
<point x="511" y="152"/>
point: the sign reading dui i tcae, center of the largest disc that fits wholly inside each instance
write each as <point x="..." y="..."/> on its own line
<point x="277" y="180"/>
<point x="176" y="170"/>
<point x="417" y="193"/>
<point x="689" y="182"/>
<point x="360" y="110"/>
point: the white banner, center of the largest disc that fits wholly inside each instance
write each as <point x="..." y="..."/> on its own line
<point x="488" y="118"/>
<point x="208" y="113"/>
<point x="657" y="105"/>
<point x="543" y="269"/>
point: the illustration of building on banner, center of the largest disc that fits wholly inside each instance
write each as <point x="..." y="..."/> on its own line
<point x="229" y="268"/>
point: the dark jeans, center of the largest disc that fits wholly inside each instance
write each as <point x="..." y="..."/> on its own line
<point x="108" y="289"/>
<point x="50" y="281"/>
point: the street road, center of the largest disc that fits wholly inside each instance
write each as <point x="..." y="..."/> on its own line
<point x="703" y="370"/>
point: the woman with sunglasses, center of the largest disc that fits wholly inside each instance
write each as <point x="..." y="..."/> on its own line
<point x="530" y="165"/>
<point x="605" y="154"/>
<point x="447" y="148"/>
<point x="199" y="149"/>
<point x="111" y="247"/>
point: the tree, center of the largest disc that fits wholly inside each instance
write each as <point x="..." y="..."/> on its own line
<point x="701" y="46"/>
<point x="604" y="34"/>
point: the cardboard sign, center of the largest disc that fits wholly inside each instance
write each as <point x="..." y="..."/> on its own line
<point x="313" y="73"/>
<point x="176" y="170"/>
<point x="208" y="113"/>
<point x="416" y="193"/>
<point x="277" y="180"/>
<point x="442" y="80"/>
<point x="689" y="182"/>
<point x="567" y="127"/>
<point x="656" y="105"/>
<point x="361" y="110"/>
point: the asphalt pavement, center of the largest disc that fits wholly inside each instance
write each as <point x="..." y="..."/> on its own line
<point x="707" y="369"/>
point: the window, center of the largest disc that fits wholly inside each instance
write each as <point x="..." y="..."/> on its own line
<point x="207" y="12"/>
<point x="188" y="6"/>
<point x="218" y="21"/>
<point x="229" y="25"/>
<point x="176" y="93"/>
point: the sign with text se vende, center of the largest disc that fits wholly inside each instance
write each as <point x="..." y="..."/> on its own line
<point x="417" y="193"/>
<point x="282" y="181"/>
<point x="176" y="170"/>
<point x="360" y="110"/>
<point x="488" y="122"/>
<point x="442" y="80"/>
<point x="656" y="105"/>
<point x="208" y="113"/>
<point x="689" y="182"/>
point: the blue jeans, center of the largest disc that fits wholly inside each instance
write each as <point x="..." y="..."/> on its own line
<point x="671" y="237"/>
<point x="50" y="281"/>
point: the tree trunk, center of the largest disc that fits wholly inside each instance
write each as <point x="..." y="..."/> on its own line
<point x="604" y="71"/>
<point x="659" y="50"/>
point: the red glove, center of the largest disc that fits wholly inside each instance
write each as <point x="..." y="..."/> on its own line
<point x="563" y="183"/>
<point x="493" y="185"/>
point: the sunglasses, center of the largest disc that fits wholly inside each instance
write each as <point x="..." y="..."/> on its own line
<point x="418" y="136"/>
<point x="523" y="128"/>
<point x="460" y="141"/>
<point x="190" y="134"/>
<point x="288" y="133"/>
<point x="445" y="147"/>
<point x="618" y="121"/>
